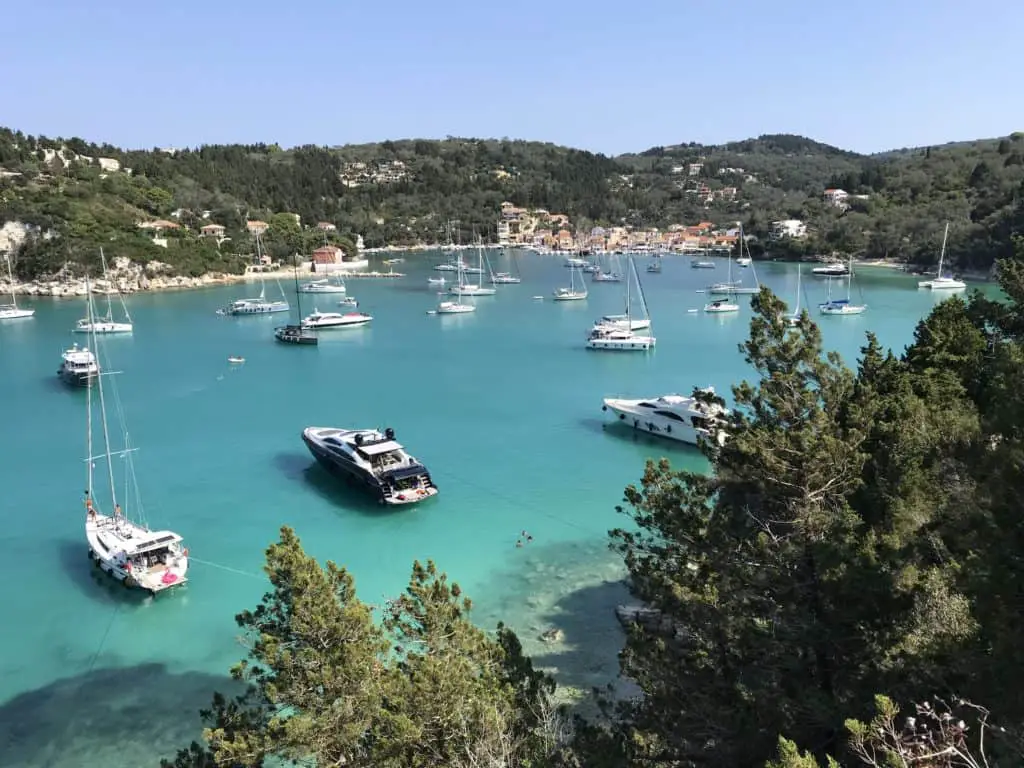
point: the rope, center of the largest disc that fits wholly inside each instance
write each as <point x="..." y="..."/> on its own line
<point x="103" y="640"/>
<point x="227" y="568"/>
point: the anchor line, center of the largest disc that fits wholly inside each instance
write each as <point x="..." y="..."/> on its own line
<point x="227" y="568"/>
<point x="103" y="640"/>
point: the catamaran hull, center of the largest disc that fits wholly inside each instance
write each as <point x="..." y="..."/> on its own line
<point x="153" y="580"/>
<point x="364" y="481"/>
<point x="635" y="344"/>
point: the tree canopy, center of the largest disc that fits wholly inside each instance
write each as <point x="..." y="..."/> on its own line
<point x="407" y="192"/>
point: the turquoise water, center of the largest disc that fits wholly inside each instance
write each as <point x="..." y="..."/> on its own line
<point x="503" y="405"/>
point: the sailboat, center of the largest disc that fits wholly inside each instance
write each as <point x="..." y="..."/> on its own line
<point x="508" y="278"/>
<point x="296" y="334"/>
<point x="11" y="311"/>
<point x="794" y="318"/>
<point x="619" y="333"/>
<point x="572" y="293"/>
<point x="940" y="282"/>
<point x="731" y="286"/>
<point x="260" y="305"/>
<point x="611" y="276"/>
<point x="119" y="545"/>
<point x="456" y="307"/>
<point x="106" y="324"/>
<point x="470" y="289"/>
<point x="842" y="306"/>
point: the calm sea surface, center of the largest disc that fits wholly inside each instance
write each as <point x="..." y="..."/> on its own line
<point x="503" y="405"/>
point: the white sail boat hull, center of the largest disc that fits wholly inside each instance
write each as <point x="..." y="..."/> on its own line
<point x="114" y="541"/>
<point x="103" y="326"/>
<point x="14" y="313"/>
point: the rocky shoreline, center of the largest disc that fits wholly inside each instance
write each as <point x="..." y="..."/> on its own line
<point x="128" y="277"/>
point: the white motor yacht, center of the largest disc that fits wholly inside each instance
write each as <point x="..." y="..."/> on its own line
<point x="675" y="417"/>
<point x="323" y="286"/>
<point x="505" y="278"/>
<point x="78" y="366"/>
<point x="831" y="270"/>
<point x="321" y="320"/>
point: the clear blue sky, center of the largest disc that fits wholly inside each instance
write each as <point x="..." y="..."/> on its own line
<point x="607" y="76"/>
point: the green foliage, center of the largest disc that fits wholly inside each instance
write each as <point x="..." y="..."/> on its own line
<point x="907" y="195"/>
<point x="326" y="685"/>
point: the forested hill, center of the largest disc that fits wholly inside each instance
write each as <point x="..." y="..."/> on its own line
<point x="402" y="192"/>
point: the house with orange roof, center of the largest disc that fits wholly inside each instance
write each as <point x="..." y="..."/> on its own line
<point x="256" y="227"/>
<point x="211" y="230"/>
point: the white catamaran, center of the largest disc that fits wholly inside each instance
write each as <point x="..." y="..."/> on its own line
<point x="119" y="545"/>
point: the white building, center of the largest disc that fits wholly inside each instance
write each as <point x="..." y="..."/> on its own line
<point x="788" y="228"/>
<point x="836" y="197"/>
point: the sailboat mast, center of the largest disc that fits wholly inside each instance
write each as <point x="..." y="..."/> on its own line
<point x="110" y="308"/>
<point x="10" y="279"/>
<point x="103" y="406"/>
<point x="942" y="253"/>
<point x="88" y="411"/>
<point x="849" y="280"/>
<point x="629" y="279"/>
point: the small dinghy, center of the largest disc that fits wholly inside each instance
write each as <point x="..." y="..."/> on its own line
<point x="236" y="359"/>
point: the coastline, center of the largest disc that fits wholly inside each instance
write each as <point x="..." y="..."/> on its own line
<point x="129" y="278"/>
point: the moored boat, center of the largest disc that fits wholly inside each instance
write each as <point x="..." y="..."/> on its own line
<point x="372" y="460"/>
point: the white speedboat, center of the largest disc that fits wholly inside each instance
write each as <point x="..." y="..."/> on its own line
<point x="702" y="265"/>
<point x="577" y="263"/>
<point x="675" y="417"/>
<point x="743" y="261"/>
<point x="721" y="305"/>
<point x="349" y="301"/>
<point x="831" y="270"/>
<point x="12" y="311"/>
<point x="943" y="282"/>
<point x="373" y="460"/>
<point x="436" y="282"/>
<point x="335" y="319"/>
<point x="258" y="306"/>
<point x="505" y="278"/>
<point x="324" y="286"/>
<point x="78" y="366"/>
<point x="123" y="547"/>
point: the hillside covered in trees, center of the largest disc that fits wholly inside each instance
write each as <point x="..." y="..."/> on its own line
<point x="78" y="195"/>
<point x="843" y="589"/>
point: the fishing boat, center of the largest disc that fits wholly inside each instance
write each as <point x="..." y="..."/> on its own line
<point x="120" y="543"/>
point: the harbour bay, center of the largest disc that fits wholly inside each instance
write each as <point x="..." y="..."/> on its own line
<point x="503" y="406"/>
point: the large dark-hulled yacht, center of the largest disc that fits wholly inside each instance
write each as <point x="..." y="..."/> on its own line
<point x="372" y="459"/>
